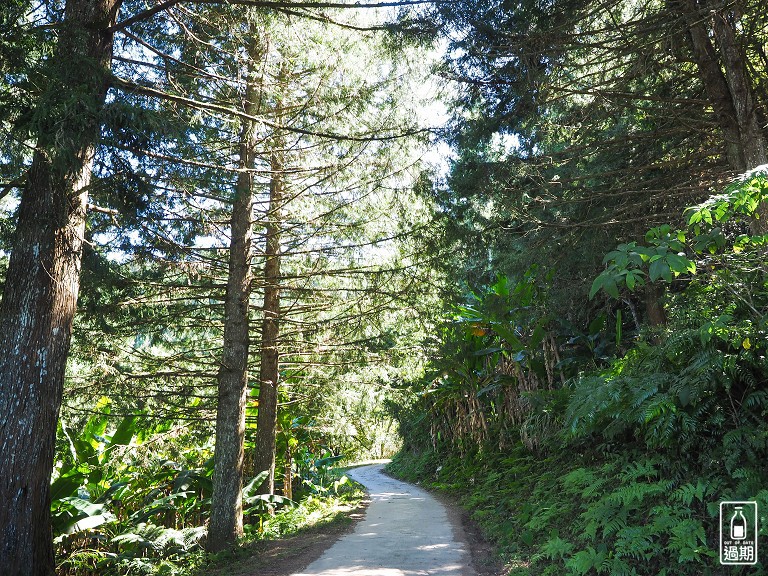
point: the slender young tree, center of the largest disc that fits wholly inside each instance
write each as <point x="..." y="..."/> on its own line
<point x="226" y="523"/>
<point x="318" y="180"/>
<point x="269" y="368"/>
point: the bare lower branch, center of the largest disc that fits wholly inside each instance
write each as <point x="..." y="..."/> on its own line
<point x="134" y="88"/>
<point x="264" y="4"/>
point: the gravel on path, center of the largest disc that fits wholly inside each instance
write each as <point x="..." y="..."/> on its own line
<point x="405" y="532"/>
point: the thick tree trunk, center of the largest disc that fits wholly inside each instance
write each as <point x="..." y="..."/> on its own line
<point x="226" y="523"/>
<point x="715" y="83"/>
<point x="740" y="87"/>
<point x="43" y="279"/>
<point x="266" y="424"/>
<point x="726" y="78"/>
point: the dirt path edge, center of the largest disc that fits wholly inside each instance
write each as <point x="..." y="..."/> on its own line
<point x="483" y="555"/>
<point x="287" y="556"/>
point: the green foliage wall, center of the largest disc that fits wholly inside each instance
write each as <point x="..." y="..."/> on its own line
<point x="647" y="431"/>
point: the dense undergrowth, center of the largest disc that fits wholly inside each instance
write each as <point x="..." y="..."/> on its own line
<point x="134" y="499"/>
<point x="608" y="450"/>
<point x="586" y="512"/>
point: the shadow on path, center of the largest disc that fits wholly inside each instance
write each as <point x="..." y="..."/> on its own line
<point x="406" y="532"/>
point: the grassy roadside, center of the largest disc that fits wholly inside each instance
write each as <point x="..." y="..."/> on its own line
<point x="585" y="513"/>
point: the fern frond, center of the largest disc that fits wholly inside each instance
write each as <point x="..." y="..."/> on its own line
<point x="689" y="492"/>
<point x="641" y="469"/>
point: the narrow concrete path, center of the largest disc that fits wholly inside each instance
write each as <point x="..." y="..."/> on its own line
<point x="406" y="532"/>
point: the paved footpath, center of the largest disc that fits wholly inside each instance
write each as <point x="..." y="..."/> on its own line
<point x="406" y="532"/>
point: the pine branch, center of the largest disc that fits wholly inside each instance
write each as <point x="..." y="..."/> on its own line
<point x="146" y="14"/>
<point x="134" y="88"/>
<point x="15" y="183"/>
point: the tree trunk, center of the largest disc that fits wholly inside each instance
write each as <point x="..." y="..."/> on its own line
<point x="740" y="86"/>
<point x="288" y="474"/>
<point x="266" y="423"/>
<point x="226" y="523"/>
<point x="655" y="312"/>
<point x="43" y="279"/>
<point x="728" y="84"/>
<point x="715" y="83"/>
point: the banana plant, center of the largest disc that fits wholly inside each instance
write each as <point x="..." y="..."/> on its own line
<point x="79" y="492"/>
<point x="261" y="503"/>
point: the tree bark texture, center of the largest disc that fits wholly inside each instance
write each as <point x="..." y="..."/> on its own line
<point x="43" y="279"/>
<point x="722" y="67"/>
<point x="226" y="522"/>
<point x="715" y="84"/>
<point x="269" y="372"/>
<point x="654" y="310"/>
<point x="740" y="87"/>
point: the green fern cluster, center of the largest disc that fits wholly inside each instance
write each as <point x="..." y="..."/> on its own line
<point x="672" y="395"/>
<point x="650" y="446"/>
<point x="634" y="521"/>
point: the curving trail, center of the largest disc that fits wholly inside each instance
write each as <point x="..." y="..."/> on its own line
<point x="406" y="532"/>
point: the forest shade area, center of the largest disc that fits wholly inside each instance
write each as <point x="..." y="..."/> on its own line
<point x="231" y="259"/>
